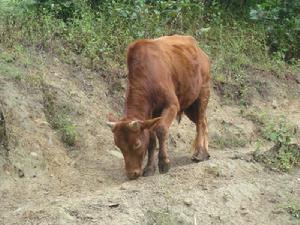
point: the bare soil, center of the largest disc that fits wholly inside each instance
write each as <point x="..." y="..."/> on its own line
<point x="44" y="181"/>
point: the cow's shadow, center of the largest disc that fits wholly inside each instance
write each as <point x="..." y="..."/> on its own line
<point x="117" y="174"/>
<point x="178" y="160"/>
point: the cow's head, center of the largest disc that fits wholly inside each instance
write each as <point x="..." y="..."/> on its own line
<point x="132" y="138"/>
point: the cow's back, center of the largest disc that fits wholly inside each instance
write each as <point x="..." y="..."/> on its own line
<point x="170" y="66"/>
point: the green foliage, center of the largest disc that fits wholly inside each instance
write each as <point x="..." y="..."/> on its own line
<point x="282" y="158"/>
<point x="59" y="118"/>
<point x="229" y="140"/>
<point x="123" y="21"/>
<point x="281" y="19"/>
<point x="65" y="126"/>
<point x="283" y="155"/>
<point x="61" y="9"/>
<point x="278" y="131"/>
<point x="275" y="129"/>
<point x="294" y="211"/>
<point x="99" y="34"/>
<point x="161" y="217"/>
<point x="96" y="33"/>
<point x="7" y="68"/>
<point x="239" y="48"/>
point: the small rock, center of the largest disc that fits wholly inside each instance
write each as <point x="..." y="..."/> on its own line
<point x="204" y="188"/>
<point x="124" y="186"/>
<point x="244" y="212"/>
<point x="114" y="205"/>
<point x="274" y="104"/>
<point x="21" y="173"/>
<point x="188" y="201"/>
<point x="33" y="154"/>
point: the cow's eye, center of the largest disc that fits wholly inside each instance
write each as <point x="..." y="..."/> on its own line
<point x="137" y="144"/>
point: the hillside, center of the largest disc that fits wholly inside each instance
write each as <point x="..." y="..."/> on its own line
<point x="59" y="164"/>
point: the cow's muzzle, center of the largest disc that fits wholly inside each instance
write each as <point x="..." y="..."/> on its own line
<point x="132" y="175"/>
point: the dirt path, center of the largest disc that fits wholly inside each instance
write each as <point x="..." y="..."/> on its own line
<point x="220" y="191"/>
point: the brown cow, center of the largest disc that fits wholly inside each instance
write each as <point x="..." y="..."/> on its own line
<point x="167" y="76"/>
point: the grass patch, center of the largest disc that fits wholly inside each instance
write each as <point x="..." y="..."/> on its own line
<point x="163" y="217"/>
<point x="229" y="140"/>
<point x="279" y="158"/>
<point x="17" y="63"/>
<point x="275" y="129"/>
<point x="11" y="71"/>
<point x="59" y="117"/>
<point x="231" y="136"/>
<point x="284" y="155"/>
<point x="291" y="207"/>
<point x="67" y="129"/>
<point x="294" y="211"/>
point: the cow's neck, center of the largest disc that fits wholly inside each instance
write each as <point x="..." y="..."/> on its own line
<point x="137" y="105"/>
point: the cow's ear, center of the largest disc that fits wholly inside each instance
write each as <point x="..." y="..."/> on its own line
<point x="151" y="124"/>
<point x="112" y="122"/>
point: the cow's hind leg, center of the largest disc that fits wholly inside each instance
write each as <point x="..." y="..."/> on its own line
<point x="149" y="169"/>
<point x="197" y="113"/>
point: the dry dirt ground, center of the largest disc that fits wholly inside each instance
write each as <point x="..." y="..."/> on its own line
<point x="43" y="181"/>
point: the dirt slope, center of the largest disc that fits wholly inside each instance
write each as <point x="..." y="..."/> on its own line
<point x="44" y="181"/>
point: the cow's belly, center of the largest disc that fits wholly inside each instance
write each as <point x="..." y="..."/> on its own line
<point x="186" y="101"/>
<point x="188" y="92"/>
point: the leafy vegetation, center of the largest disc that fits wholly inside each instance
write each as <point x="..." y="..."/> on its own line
<point x="281" y="19"/>
<point x="284" y="155"/>
<point x="95" y="34"/>
<point x="237" y="35"/>
<point x="7" y="68"/>
<point x="66" y="127"/>
<point x="294" y="211"/>
<point x="230" y="137"/>
<point x="58" y="116"/>
<point x="229" y="141"/>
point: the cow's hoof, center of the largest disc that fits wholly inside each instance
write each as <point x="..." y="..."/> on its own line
<point x="163" y="167"/>
<point x="149" y="171"/>
<point x="200" y="156"/>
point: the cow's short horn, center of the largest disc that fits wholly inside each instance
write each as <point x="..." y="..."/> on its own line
<point x="111" y="124"/>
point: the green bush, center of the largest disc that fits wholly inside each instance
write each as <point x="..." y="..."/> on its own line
<point x="281" y="19"/>
<point x="283" y="155"/>
<point x="96" y="33"/>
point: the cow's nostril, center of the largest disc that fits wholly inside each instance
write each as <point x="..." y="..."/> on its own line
<point x="133" y="175"/>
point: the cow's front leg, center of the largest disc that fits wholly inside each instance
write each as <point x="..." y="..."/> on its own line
<point x="162" y="133"/>
<point x="149" y="169"/>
